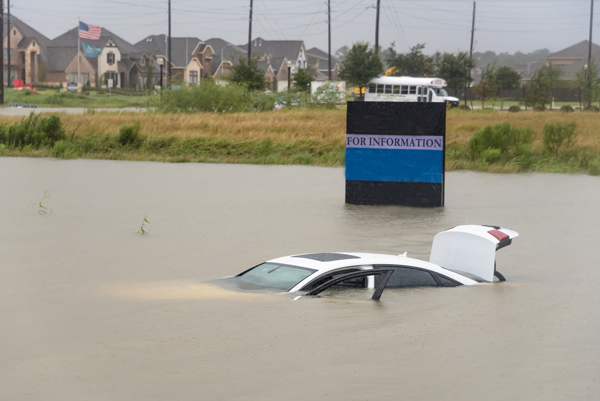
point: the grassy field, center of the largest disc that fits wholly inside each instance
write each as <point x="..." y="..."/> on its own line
<point x="92" y="99"/>
<point x="313" y="137"/>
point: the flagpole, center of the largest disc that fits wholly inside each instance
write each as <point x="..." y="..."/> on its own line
<point x="78" y="57"/>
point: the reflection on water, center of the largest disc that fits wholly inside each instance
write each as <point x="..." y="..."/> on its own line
<point x="90" y="309"/>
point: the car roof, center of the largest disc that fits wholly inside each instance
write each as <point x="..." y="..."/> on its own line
<point x="324" y="262"/>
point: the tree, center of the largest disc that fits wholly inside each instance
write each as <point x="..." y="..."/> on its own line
<point x="249" y="74"/>
<point x="360" y="66"/>
<point x="302" y="79"/>
<point x="454" y="68"/>
<point x="412" y="64"/>
<point x="149" y="74"/>
<point x="486" y="88"/>
<point x="342" y="52"/>
<point x="587" y="81"/>
<point x="541" y="84"/>
<point x="506" y="78"/>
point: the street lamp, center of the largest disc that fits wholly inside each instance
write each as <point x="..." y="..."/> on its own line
<point x="289" y="75"/>
<point x="160" y="62"/>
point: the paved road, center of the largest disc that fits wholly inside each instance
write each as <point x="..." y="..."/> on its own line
<point x="18" y="111"/>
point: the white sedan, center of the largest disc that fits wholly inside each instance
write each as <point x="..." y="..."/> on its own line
<point x="462" y="255"/>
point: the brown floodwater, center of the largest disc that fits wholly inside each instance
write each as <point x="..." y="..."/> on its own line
<point x="92" y="310"/>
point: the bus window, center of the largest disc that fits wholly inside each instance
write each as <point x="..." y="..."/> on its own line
<point x="380" y="88"/>
<point x="419" y="90"/>
<point x="404" y="90"/>
<point x="396" y="90"/>
<point x="413" y="90"/>
<point x="388" y="89"/>
<point x="372" y="88"/>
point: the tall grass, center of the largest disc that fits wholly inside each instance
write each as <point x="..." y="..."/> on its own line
<point x="212" y="97"/>
<point x="313" y="137"/>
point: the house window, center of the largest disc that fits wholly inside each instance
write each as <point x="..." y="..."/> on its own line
<point x="85" y="78"/>
<point x="151" y="61"/>
<point x="74" y="78"/>
<point x="143" y="60"/>
<point x="110" y="58"/>
<point x="194" y="77"/>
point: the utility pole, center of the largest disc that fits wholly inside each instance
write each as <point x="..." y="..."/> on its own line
<point x="2" y="52"/>
<point x="250" y="34"/>
<point x="589" y="75"/>
<point x="169" y="55"/>
<point x="467" y="84"/>
<point x="329" y="29"/>
<point x="9" y="50"/>
<point x="377" y="28"/>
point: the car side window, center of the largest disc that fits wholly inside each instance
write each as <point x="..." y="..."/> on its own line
<point x="404" y="277"/>
<point x="358" y="282"/>
<point x="445" y="282"/>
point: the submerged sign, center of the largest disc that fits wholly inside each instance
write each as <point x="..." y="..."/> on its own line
<point x="395" y="153"/>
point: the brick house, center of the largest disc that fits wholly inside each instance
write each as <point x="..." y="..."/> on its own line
<point x="116" y="61"/>
<point x="191" y="57"/>
<point x="275" y="52"/>
<point x="318" y="64"/>
<point x="225" y="55"/>
<point x="28" y="55"/>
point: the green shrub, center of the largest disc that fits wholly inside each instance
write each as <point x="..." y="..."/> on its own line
<point x="129" y="134"/>
<point x="539" y="108"/>
<point x="594" y="167"/>
<point x="558" y="135"/>
<point x="566" y="109"/>
<point x="34" y="131"/>
<point x="464" y="107"/>
<point x="514" y="109"/>
<point x="213" y="97"/>
<point x="66" y="150"/>
<point x="503" y="137"/>
<point x="491" y="155"/>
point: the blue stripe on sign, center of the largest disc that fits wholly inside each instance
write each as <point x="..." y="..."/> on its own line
<point x="365" y="164"/>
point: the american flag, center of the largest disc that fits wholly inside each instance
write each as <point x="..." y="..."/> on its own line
<point x="91" y="32"/>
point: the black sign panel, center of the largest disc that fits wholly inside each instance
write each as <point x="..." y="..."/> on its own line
<point x="395" y="153"/>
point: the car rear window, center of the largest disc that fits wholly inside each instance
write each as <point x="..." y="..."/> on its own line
<point x="272" y="275"/>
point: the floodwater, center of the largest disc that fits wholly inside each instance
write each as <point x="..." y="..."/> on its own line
<point x="92" y="310"/>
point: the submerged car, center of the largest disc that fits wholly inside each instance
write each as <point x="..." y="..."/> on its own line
<point x="462" y="255"/>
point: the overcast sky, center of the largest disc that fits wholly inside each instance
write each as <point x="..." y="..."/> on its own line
<point x="500" y="26"/>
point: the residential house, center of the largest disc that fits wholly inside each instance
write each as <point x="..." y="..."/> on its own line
<point x="116" y="62"/>
<point x="191" y="57"/>
<point x="275" y="51"/>
<point x="28" y="52"/>
<point x="225" y="55"/>
<point x="318" y="64"/>
<point x="573" y="58"/>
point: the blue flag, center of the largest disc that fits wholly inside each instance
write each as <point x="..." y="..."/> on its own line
<point x="91" y="51"/>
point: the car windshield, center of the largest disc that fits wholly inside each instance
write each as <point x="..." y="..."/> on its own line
<point x="273" y="275"/>
<point x="441" y="92"/>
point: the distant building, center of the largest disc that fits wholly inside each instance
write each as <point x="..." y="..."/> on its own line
<point x="573" y="58"/>
<point x="225" y="55"/>
<point x="191" y="57"/>
<point x="318" y="64"/>
<point x="28" y="55"/>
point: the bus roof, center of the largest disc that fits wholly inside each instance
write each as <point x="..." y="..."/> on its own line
<point x="435" y="82"/>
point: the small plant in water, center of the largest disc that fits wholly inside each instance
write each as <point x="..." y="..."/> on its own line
<point x="41" y="208"/>
<point x="141" y="230"/>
